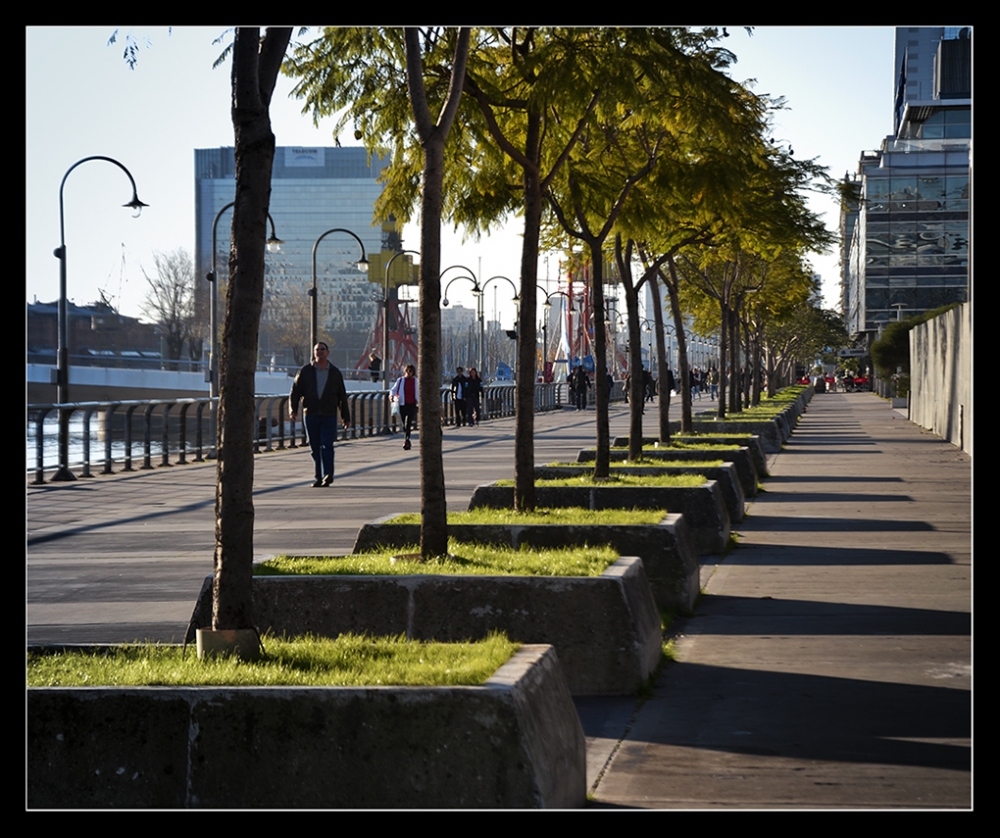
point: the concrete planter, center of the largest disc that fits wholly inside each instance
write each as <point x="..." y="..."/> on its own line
<point x="773" y="432"/>
<point x="739" y="457"/>
<point x="667" y="552"/>
<point x="752" y="443"/>
<point x="725" y="475"/>
<point x="606" y="629"/>
<point x="703" y="507"/>
<point x="514" y="742"/>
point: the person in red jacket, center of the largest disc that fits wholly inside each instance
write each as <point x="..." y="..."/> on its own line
<point x="405" y="392"/>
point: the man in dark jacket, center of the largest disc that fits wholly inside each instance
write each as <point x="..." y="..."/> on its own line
<point x="320" y="387"/>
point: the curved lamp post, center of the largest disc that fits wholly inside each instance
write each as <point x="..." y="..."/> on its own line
<point x="362" y="266"/>
<point x="482" y="313"/>
<point x="477" y="292"/>
<point x="385" y="318"/>
<point x="273" y="245"/>
<point x="62" y="355"/>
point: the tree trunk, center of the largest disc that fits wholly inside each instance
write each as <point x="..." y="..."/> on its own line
<point x="602" y="464"/>
<point x="255" y="69"/>
<point x="434" y="517"/>
<point x="661" y="364"/>
<point x="683" y="375"/>
<point x="636" y="393"/>
<point x="527" y="332"/>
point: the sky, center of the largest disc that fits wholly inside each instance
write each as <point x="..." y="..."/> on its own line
<point x="81" y="99"/>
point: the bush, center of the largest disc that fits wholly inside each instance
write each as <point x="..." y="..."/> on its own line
<point x="892" y="349"/>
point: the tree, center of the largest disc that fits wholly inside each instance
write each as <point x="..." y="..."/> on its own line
<point x="256" y="62"/>
<point x="169" y="300"/>
<point x="434" y="523"/>
<point x="386" y="82"/>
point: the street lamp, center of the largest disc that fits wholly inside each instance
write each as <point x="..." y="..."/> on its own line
<point x="273" y="245"/>
<point x="476" y="290"/>
<point x="62" y="356"/>
<point x="362" y="264"/>
<point x="482" y="291"/>
<point x="385" y="318"/>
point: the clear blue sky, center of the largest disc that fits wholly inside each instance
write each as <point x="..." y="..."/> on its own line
<point x="81" y="100"/>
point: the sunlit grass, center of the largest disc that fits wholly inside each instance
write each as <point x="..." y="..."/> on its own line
<point x="677" y="481"/>
<point x="570" y="515"/>
<point x="462" y="558"/>
<point x="645" y="463"/>
<point x="345" y="661"/>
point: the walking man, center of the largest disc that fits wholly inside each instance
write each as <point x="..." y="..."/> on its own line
<point x="320" y="387"/>
<point x="459" y="386"/>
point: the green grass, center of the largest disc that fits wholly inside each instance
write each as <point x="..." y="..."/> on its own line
<point x="462" y="558"/>
<point x="554" y="515"/>
<point x="346" y="661"/>
<point x="693" y="446"/>
<point x="644" y="463"/>
<point x="676" y="481"/>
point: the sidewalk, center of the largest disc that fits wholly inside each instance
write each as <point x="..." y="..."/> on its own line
<point x="122" y="557"/>
<point x="829" y="661"/>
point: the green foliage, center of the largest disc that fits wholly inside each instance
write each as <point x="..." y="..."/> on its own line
<point x="462" y="558"/>
<point x="892" y="349"/>
<point x="345" y="661"/>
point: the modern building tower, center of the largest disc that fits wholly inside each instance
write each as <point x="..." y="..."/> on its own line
<point x="908" y="245"/>
<point x="313" y="190"/>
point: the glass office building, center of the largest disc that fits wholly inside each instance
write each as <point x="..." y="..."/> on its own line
<point x="312" y="190"/>
<point x="908" y="250"/>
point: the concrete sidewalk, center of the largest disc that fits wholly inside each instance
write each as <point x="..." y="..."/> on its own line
<point x="829" y="661"/>
<point x="122" y="557"/>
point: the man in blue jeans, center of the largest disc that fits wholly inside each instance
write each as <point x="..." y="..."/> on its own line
<point x="320" y="387"/>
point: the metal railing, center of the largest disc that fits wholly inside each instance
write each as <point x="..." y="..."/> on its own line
<point x="183" y="433"/>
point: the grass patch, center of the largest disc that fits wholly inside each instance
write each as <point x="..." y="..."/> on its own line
<point x="646" y="462"/>
<point x="462" y="558"/>
<point x="693" y="446"/>
<point x="676" y="481"/>
<point x="554" y="515"/>
<point x="345" y="661"/>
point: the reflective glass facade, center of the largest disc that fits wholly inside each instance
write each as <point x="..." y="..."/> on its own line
<point x="909" y="248"/>
<point x="312" y="190"/>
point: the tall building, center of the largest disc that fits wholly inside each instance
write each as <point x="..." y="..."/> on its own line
<point x="312" y="190"/>
<point x="908" y="245"/>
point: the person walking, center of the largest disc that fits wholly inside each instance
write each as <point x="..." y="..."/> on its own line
<point x="375" y="366"/>
<point x="320" y="387"/>
<point x="473" y="398"/>
<point x="405" y="392"/>
<point x="579" y="385"/>
<point x="459" y="386"/>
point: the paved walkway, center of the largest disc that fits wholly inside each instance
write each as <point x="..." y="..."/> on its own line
<point x="827" y="665"/>
<point x="122" y="557"/>
<point x="829" y="662"/>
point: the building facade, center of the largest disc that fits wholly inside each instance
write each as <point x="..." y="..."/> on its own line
<point x="907" y="238"/>
<point x="313" y="190"/>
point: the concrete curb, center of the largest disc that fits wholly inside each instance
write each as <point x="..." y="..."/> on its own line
<point x="725" y="475"/>
<point x="751" y="443"/>
<point x="746" y="469"/>
<point x="606" y="629"/>
<point x="514" y="742"/>
<point x="666" y="549"/>
<point x="703" y="507"/>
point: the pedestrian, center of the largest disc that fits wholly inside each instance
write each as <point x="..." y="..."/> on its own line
<point x="405" y="392"/>
<point x="713" y="383"/>
<point x="473" y="398"/>
<point x="459" y="386"/>
<point x="579" y="385"/>
<point x="320" y="387"/>
<point x="374" y="366"/>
